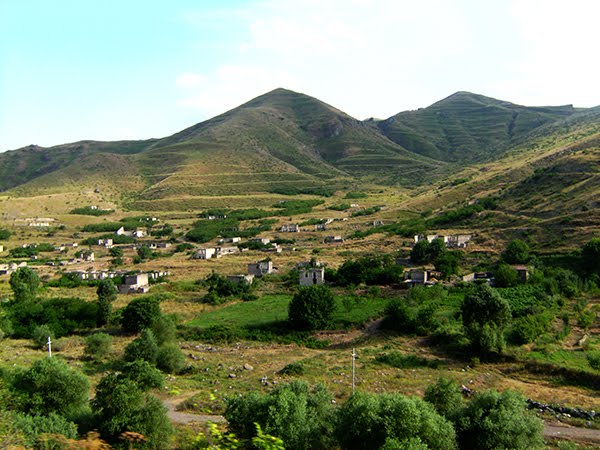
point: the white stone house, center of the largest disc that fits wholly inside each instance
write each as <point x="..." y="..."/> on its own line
<point x="260" y="268"/>
<point x="135" y="284"/>
<point x="205" y="253"/>
<point x="333" y="240"/>
<point x="290" y="228"/>
<point x="311" y="276"/>
<point x="108" y="243"/>
<point x="241" y="278"/>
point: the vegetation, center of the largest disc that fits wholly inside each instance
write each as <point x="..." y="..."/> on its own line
<point x="311" y="308"/>
<point x="89" y="211"/>
<point x="24" y="283"/>
<point x="141" y="313"/>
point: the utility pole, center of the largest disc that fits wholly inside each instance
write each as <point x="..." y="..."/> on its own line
<point x="49" y="347"/>
<point x="353" y="369"/>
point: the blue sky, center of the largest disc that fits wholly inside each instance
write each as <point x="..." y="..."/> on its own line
<point x="129" y="69"/>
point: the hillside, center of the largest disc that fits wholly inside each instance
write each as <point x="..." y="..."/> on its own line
<point x="467" y="127"/>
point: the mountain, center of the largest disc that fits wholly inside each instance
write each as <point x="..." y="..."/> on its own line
<point x="286" y="142"/>
<point x="467" y="127"/>
<point x="282" y="141"/>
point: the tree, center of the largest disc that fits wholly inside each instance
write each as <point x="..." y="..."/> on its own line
<point x="302" y="417"/>
<point x="495" y="420"/>
<point x="141" y="313"/>
<point x="48" y="386"/>
<point x="143" y="374"/>
<point x="446" y="398"/>
<point x="121" y="405"/>
<point x="107" y="294"/>
<point x="311" y="308"/>
<point x="170" y="358"/>
<point x="420" y="252"/>
<point x="590" y="256"/>
<point x="144" y="348"/>
<point x="505" y="276"/>
<point x="517" y="252"/>
<point x="485" y="315"/>
<point x="447" y="262"/>
<point x="24" y="283"/>
<point x="369" y="421"/>
<point x="4" y="234"/>
<point x="144" y="252"/>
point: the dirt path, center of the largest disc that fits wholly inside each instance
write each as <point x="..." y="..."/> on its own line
<point x="182" y="417"/>
<point x="556" y="431"/>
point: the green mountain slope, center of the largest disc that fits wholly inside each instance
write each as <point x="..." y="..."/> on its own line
<point x="467" y="127"/>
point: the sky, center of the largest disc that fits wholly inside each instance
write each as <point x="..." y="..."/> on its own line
<point x="135" y="69"/>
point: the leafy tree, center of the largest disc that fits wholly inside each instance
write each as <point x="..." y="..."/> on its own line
<point x="164" y="329"/>
<point x="24" y="283"/>
<point x="302" y="417"/>
<point x="369" y="421"/>
<point x="446" y="398"/>
<point x="495" y="420"/>
<point x="107" y="294"/>
<point x="120" y="405"/>
<point x="370" y="269"/>
<point x="144" y="375"/>
<point x="420" y="252"/>
<point x="485" y="315"/>
<point x="141" y="313"/>
<point x="311" y="308"/>
<point x="505" y="276"/>
<point x="590" y="256"/>
<point x="447" y="262"/>
<point x="170" y="358"/>
<point x="50" y="386"/>
<point x="143" y="347"/>
<point x="98" y="345"/>
<point x="517" y="252"/>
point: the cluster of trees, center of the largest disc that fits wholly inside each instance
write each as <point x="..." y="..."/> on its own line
<point x="306" y="418"/>
<point x="369" y="269"/>
<point x="444" y="260"/>
<point x="220" y="289"/>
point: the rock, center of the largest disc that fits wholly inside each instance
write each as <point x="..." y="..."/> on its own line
<point x="232" y="375"/>
<point x="248" y="367"/>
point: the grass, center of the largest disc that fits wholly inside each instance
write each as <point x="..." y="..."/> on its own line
<point x="271" y="309"/>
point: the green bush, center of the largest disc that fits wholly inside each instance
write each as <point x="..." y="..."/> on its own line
<point x="40" y="335"/>
<point x="170" y="358"/>
<point x="144" y="375"/>
<point x="144" y="348"/>
<point x="301" y="416"/>
<point x="33" y="426"/>
<point x="527" y="329"/>
<point x="368" y="421"/>
<point x="49" y="385"/>
<point x="446" y="397"/>
<point x="121" y="405"/>
<point x="517" y="252"/>
<point x="98" y="345"/>
<point x="5" y="234"/>
<point x="293" y="369"/>
<point x="586" y="319"/>
<point x="505" y="276"/>
<point x="141" y="313"/>
<point x="311" y="308"/>
<point x="89" y="211"/>
<point x="164" y="329"/>
<point x="593" y="358"/>
<point x="495" y="420"/>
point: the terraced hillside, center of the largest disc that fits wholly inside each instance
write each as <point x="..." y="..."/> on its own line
<point x="467" y="127"/>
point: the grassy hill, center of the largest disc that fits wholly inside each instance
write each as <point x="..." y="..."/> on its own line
<point x="468" y="128"/>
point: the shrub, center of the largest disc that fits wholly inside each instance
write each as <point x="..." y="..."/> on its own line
<point x="505" y="276"/>
<point x="120" y="405"/>
<point x="144" y="375"/>
<point x="170" y="358"/>
<point x="593" y="358"/>
<point x="586" y="319"/>
<point x="446" y="397"/>
<point x="98" y="345"/>
<point x="293" y="369"/>
<point x="311" y="308"/>
<point x="144" y="348"/>
<point x="164" y="329"/>
<point x="495" y="420"/>
<point x="527" y="329"/>
<point x="49" y="385"/>
<point x="302" y="417"/>
<point x="368" y="421"/>
<point x="40" y="335"/>
<point x="400" y="317"/>
<point x="4" y="234"/>
<point x="141" y="313"/>
<point x="33" y="426"/>
<point x="517" y="252"/>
